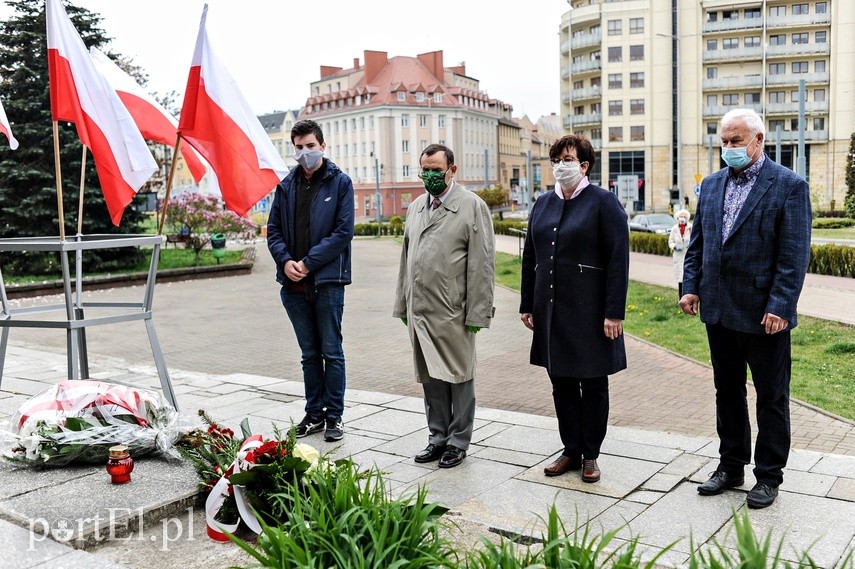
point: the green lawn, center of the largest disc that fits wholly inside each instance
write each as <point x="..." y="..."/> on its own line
<point x="842" y="233"/>
<point x="823" y="351"/>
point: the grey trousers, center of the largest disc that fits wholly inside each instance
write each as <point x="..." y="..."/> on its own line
<point x="450" y="411"/>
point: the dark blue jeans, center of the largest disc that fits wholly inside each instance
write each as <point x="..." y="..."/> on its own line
<point x="316" y="315"/>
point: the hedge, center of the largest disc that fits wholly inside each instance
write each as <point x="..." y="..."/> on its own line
<point x="832" y="222"/>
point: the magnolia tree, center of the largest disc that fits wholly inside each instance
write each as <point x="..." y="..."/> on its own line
<point x="200" y="217"/>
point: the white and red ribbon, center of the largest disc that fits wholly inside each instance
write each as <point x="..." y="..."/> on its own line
<point x="217" y="530"/>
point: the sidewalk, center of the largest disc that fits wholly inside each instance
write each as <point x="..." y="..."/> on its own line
<point x="230" y="349"/>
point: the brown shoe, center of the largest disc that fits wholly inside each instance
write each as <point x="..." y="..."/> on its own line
<point x="563" y="464"/>
<point x="590" y="470"/>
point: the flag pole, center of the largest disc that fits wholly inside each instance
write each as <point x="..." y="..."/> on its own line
<point x="169" y="184"/>
<point x="82" y="184"/>
<point x="58" y="181"/>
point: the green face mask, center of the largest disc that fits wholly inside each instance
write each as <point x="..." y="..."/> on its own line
<point x="434" y="182"/>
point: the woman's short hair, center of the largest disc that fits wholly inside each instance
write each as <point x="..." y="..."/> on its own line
<point x="584" y="150"/>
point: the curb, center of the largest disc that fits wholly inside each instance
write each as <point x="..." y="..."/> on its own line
<point x="242" y="267"/>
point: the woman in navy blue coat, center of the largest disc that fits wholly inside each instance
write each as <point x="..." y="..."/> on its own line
<point x="575" y="270"/>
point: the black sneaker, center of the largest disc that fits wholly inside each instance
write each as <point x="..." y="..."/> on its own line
<point x="334" y="430"/>
<point x="309" y="425"/>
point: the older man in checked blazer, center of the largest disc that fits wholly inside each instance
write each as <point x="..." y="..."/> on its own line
<point x="745" y="267"/>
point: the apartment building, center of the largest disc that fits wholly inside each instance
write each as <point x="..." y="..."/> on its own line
<point x="647" y="81"/>
<point x="379" y="114"/>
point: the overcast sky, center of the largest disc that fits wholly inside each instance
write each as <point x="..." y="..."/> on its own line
<point x="274" y="49"/>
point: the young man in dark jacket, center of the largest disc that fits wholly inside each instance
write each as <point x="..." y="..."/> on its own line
<point x="309" y="234"/>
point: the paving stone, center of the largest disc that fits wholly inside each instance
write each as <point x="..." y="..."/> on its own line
<point x="843" y="489"/>
<point x="657" y="438"/>
<point x="822" y="525"/>
<point x="32" y="550"/>
<point x="292" y="388"/>
<point x="454" y="486"/>
<point x="409" y="472"/>
<point x="249" y="380"/>
<point x="640" y="451"/>
<point x="370" y="458"/>
<point x="620" y="476"/>
<point x="485" y="429"/>
<point x="544" y="442"/>
<point x="526" y="459"/>
<point x="813" y="484"/>
<point x="836" y="465"/>
<point x="20" y="479"/>
<point x="412" y="404"/>
<point x="644" y="496"/>
<point x="618" y="515"/>
<point x="391" y="421"/>
<point x="685" y="465"/>
<point x="803" y="459"/>
<point x="522" y="507"/>
<point x="30" y="386"/>
<point x="514" y="418"/>
<point x="352" y="443"/>
<point x="660" y="482"/>
<point x="369" y="397"/>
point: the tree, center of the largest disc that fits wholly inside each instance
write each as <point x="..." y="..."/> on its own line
<point x="849" y="204"/>
<point x="200" y="217"/>
<point x="27" y="175"/>
<point x="494" y="197"/>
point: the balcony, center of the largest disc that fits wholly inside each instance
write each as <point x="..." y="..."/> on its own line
<point x="741" y="53"/>
<point x="820" y="107"/>
<point x="586" y="93"/>
<point x="733" y="24"/>
<point x="585" y="67"/>
<point x="793" y="79"/>
<point x="718" y="111"/>
<point x="725" y="83"/>
<point x="798" y="21"/>
<point x="793" y="136"/>
<point x="586" y="40"/>
<point x="797" y="49"/>
<point x="577" y="121"/>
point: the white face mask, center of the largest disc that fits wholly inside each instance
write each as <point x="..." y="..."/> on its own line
<point x="308" y="158"/>
<point x="568" y="175"/>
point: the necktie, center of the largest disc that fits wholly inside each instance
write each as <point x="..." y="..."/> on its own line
<point x="435" y="204"/>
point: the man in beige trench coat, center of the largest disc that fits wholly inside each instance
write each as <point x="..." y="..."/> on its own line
<point x="445" y="296"/>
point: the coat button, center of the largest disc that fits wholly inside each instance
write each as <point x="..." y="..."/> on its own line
<point x="550" y="272"/>
<point x="554" y="229"/>
<point x="553" y="242"/>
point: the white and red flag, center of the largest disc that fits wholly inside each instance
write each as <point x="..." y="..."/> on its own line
<point x="217" y="121"/>
<point x="6" y="129"/>
<point x="80" y="94"/>
<point x="154" y="121"/>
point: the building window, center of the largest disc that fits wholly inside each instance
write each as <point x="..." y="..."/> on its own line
<point x="819" y="95"/>
<point x="596" y="81"/>
<point x="615" y="27"/>
<point x="751" y="98"/>
<point x="777" y="97"/>
<point x="819" y="123"/>
<point x="615" y="108"/>
<point x="712" y="72"/>
<point x="777" y="68"/>
<point x="405" y="146"/>
<point x="420" y="97"/>
<point x="752" y="13"/>
<point x="636" y="133"/>
<point x="794" y="124"/>
<point x="712" y="45"/>
<point x="596" y="134"/>
<point x="778" y="39"/>
<point x="423" y="120"/>
<point x="712" y="100"/>
<point x="406" y="170"/>
<point x="615" y="81"/>
<point x="636" y="79"/>
<point x="354" y="149"/>
<point x="819" y="66"/>
<point x="402" y="96"/>
<point x="712" y="16"/>
<point x="821" y="7"/>
<point x="773" y="125"/>
<point x="615" y="54"/>
<point x="800" y="38"/>
<point x="344" y="125"/>
<point x="729" y="99"/>
<point x="371" y="122"/>
<point x="820" y="37"/>
<point x="405" y="120"/>
<point x="636" y="52"/>
<point x="636" y="25"/>
<point x="578" y="84"/>
<point x="361" y="123"/>
<point x="440" y="121"/>
<point x="730" y="14"/>
<point x="729" y="43"/>
<point x="437" y="97"/>
<point x="712" y="128"/>
<point x="579" y="110"/>
<point x="636" y="106"/>
<point x="615" y="134"/>
<point x="800" y="67"/>
<point x="777" y="10"/>
<point x="753" y="41"/>
<point x="799" y="9"/>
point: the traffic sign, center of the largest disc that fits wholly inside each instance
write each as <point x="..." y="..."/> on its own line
<point x="697" y="190"/>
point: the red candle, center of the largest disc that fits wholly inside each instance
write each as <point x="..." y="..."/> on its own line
<point x="120" y="465"/>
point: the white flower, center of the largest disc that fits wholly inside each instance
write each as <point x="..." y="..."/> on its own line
<point x="306" y="452"/>
<point x="31" y="445"/>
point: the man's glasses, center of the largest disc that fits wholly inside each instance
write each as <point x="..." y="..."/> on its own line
<point x="566" y="161"/>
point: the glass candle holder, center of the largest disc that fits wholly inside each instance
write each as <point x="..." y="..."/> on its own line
<point x="120" y="465"/>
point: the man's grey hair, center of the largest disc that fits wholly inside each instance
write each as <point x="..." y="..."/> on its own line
<point x="752" y="119"/>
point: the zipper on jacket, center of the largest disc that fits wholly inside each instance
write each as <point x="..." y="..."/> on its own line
<point x="581" y="267"/>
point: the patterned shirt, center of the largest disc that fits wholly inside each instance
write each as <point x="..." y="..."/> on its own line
<point x="735" y="194"/>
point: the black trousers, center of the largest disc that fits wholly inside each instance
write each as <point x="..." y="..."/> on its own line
<point x="768" y="357"/>
<point x="582" y="408"/>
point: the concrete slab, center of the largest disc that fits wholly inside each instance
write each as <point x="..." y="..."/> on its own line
<point x="454" y="486"/>
<point x="843" y="489"/>
<point x="544" y="442"/>
<point x="836" y="465"/>
<point x="514" y="418"/>
<point x="641" y="451"/>
<point x="249" y="380"/>
<point x="660" y="482"/>
<point x="391" y="421"/>
<point x="526" y="459"/>
<point x="620" y="476"/>
<point x="25" y="550"/>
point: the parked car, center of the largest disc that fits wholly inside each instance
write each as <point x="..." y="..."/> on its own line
<point x="652" y="223"/>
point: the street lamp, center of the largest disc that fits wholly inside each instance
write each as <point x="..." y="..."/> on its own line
<point x="677" y="151"/>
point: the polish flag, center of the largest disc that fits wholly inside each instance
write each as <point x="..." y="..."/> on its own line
<point x="6" y="129"/>
<point x="80" y="94"/>
<point x="155" y="122"/>
<point x="217" y="121"/>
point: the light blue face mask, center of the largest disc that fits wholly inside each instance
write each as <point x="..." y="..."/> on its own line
<point x="308" y="158"/>
<point x="737" y="158"/>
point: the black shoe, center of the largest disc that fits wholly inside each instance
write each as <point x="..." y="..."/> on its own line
<point x="452" y="457"/>
<point x="431" y="453"/>
<point x="334" y="430"/>
<point x="762" y="495"/>
<point x="719" y="481"/>
<point x="309" y="425"/>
